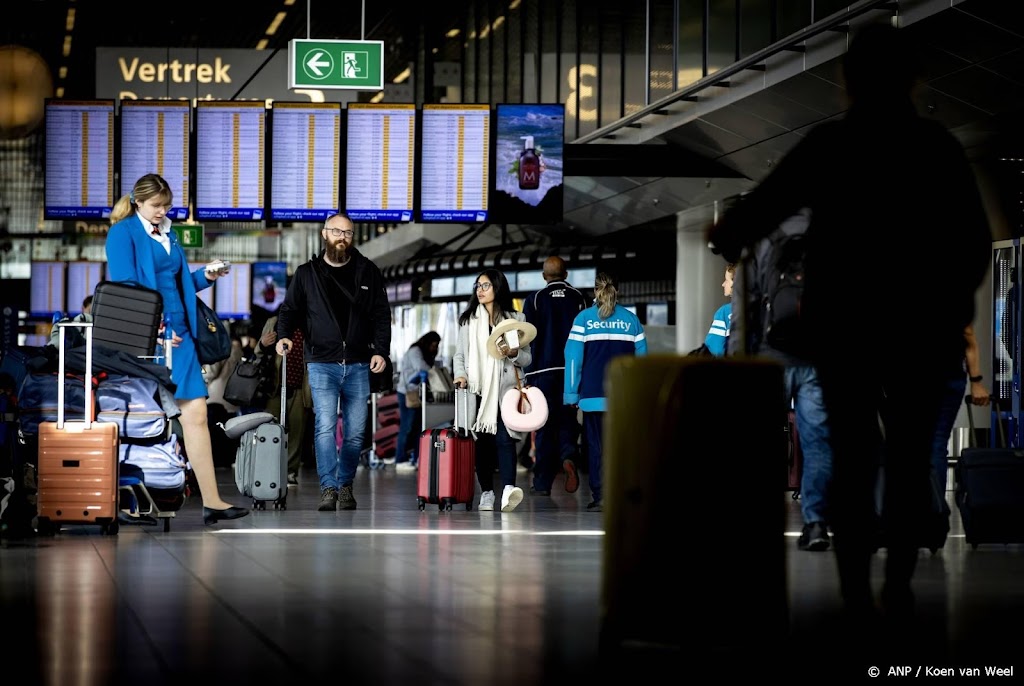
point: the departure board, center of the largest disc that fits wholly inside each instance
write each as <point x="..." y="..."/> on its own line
<point x="380" y="165"/>
<point x="305" y="160"/>
<point x="229" y="160"/>
<point x="206" y="295"/>
<point x="233" y="298"/>
<point x="47" y="289"/>
<point x="79" y="178"/>
<point x="455" y="164"/>
<point x="155" y="139"/>
<point x="82" y="280"/>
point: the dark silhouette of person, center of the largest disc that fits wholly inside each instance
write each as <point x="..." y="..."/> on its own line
<point x="892" y="197"/>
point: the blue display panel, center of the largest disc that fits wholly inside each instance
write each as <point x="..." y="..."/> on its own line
<point x="47" y="289"/>
<point x="206" y="295"/>
<point x="230" y="160"/>
<point x="528" y="161"/>
<point x="456" y="162"/>
<point x="232" y="299"/>
<point x="380" y="153"/>
<point x="82" y="280"/>
<point x="79" y="178"/>
<point x="305" y="146"/>
<point x="155" y="137"/>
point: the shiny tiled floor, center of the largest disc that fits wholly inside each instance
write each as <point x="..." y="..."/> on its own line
<point x="391" y="595"/>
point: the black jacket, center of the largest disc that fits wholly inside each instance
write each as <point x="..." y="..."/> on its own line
<point x="307" y="306"/>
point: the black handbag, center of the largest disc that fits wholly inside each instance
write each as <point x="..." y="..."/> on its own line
<point x="213" y="341"/>
<point x="249" y="383"/>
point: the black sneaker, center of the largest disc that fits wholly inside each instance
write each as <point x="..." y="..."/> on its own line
<point x="346" y="501"/>
<point x="814" y="537"/>
<point x="328" y="500"/>
<point x="595" y="506"/>
<point x="538" y="491"/>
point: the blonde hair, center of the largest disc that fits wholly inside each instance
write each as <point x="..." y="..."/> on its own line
<point x="606" y="293"/>
<point x="148" y="186"/>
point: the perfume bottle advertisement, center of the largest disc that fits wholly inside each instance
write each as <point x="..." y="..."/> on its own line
<point x="529" y="152"/>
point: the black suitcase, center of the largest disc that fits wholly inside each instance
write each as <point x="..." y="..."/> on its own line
<point x="990" y="491"/>
<point x="126" y="316"/>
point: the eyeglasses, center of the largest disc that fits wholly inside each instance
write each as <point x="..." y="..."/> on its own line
<point x="338" y="233"/>
<point x="484" y="286"/>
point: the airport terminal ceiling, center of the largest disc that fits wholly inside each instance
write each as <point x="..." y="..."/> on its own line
<point x="973" y="53"/>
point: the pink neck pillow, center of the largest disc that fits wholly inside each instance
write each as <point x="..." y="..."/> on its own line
<point x="524" y="410"/>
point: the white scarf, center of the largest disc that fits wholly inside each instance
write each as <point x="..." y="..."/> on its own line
<point x="484" y="372"/>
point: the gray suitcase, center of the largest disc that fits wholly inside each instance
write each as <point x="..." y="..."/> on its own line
<point x="261" y="464"/>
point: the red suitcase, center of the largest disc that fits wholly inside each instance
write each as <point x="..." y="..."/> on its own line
<point x="447" y="468"/>
<point x="77" y="470"/>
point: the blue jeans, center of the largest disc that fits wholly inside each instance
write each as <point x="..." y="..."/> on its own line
<point x="953" y="398"/>
<point x="328" y="382"/>
<point x="409" y="422"/>
<point x="803" y="387"/>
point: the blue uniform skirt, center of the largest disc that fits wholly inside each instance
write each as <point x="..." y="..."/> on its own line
<point x="186" y="371"/>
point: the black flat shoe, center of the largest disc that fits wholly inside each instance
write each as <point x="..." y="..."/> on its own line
<point x="211" y="517"/>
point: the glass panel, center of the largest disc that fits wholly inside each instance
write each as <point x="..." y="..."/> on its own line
<point x="513" y="40"/>
<point x="589" y="90"/>
<point x="483" y="55"/>
<point x="661" y="23"/>
<point x="634" y="26"/>
<point x="610" y="66"/>
<point x="469" y="66"/>
<point x="498" y="68"/>
<point x="551" y="87"/>
<point x="721" y="34"/>
<point x="690" y="65"/>
<point x="567" y="49"/>
<point x="755" y="26"/>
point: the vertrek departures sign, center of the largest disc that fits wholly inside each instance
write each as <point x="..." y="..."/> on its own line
<point x="202" y="74"/>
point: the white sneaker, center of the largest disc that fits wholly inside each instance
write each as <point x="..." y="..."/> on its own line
<point x="388" y="460"/>
<point x="486" y="501"/>
<point x="407" y="466"/>
<point x="510" y="497"/>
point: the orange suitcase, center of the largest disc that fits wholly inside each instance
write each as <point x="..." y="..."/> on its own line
<point x="77" y="470"/>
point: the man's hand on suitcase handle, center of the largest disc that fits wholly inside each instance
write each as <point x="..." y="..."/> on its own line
<point x="283" y="346"/>
<point x="461" y="382"/>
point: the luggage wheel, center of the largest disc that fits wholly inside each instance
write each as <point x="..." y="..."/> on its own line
<point x="258" y="505"/>
<point x="44" y="527"/>
<point x="110" y="529"/>
<point x="469" y="505"/>
<point x="281" y="504"/>
<point x="421" y="503"/>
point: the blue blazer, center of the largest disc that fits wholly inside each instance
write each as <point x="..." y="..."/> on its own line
<point x="130" y="259"/>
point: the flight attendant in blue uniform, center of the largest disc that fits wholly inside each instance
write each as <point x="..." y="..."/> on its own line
<point x="142" y="248"/>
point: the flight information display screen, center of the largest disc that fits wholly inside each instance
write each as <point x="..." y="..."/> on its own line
<point x="380" y="162"/>
<point x="305" y="149"/>
<point x="232" y="299"/>
<point x="47" y="289"/>
<point x="455" y="166"/>
<point x="79" y="178"/>
<point x="82" y="280"/>
<point x="230" y="160"/>
<point x="155" y="137"/>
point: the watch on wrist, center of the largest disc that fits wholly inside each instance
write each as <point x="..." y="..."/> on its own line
<point x="976" y="379"/>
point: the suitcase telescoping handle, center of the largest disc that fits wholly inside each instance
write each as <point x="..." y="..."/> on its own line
<point x="423" y="405"/>
<point x="88" y="372"/>
<point x="1000" y="429"/>
<point x="462" y="393"/>
<point x="284" y="389"/>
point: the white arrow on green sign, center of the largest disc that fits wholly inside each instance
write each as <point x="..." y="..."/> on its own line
<point x="189" y="235"/>
<point x="337" y="64"/>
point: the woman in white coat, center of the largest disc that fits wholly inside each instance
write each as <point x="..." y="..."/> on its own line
<point x="489" y="378"/>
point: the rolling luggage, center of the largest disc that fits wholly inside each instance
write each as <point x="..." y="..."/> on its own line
<point x="261" y="464"/>
<point x="990" y="491"/>
<point x="447" y="469"/>
<point x="794" y="457"/>
<point x="693" y="433"/>
<point x="127" y="316"/>
<point x="78" y="477"/>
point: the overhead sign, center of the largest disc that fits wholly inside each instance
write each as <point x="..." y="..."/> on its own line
<point x="189" y="235"/>
<point x="353" y="65"/>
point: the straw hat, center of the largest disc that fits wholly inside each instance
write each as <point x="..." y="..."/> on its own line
<point x="527" y="332"/>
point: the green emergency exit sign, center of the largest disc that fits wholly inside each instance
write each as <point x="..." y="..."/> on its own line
<point x="336" y="64"/>
<point x="189" y="235"/>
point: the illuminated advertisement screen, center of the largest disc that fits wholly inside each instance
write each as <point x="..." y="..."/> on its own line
<point x="529" y="144"/>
